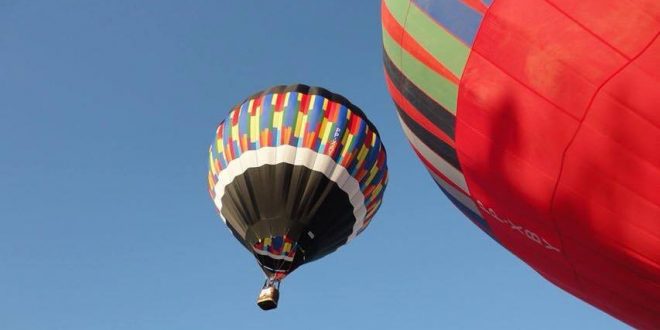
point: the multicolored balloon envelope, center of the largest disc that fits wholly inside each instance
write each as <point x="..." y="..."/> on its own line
<point x="295" y="172"/>
<point x="540" y="120"/>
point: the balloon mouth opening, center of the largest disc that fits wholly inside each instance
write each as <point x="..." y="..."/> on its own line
<point x="268" y="297"/>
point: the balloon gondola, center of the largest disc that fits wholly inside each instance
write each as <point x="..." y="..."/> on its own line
<point x="269" y="295"/>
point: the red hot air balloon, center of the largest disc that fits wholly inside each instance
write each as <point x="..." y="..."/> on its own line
<point x="540" y="120"/>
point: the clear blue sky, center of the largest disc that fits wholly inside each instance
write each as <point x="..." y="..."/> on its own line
<point x="107" y="109"/>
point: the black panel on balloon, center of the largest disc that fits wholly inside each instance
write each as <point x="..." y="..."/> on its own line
<point x="292" y="214"/>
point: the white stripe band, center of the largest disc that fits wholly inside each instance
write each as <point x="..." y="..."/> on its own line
<point x="272" y="256"/>
<point x="457" y="194"/>
<point x="440" y="164"/>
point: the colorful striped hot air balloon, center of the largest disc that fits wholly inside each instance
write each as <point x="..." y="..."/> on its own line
<point x="540" y="120"/>
<point x="295" y="172"/>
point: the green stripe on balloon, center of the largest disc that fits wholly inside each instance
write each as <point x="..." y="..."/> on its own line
<point x="441" y="90"/>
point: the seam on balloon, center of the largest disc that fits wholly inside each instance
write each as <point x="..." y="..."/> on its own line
<point x="572" y="140"/>
<point x="473" y="51"/>
<point x="403" y="31"/>
<point x="588" y="30"/>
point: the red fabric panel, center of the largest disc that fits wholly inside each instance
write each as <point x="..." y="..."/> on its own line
<point x="543" y="49"/>
<point x="535" y="242"/>
<point x="492" y="124"/>
<point x="633" y="313"/>
<point x="611" y="116"/>
<point x="558" y="135"/>
<point x="608" y="200"/>
<point x="591" y="266"/>
<point x="637" y="88"/>
<point x="610" y="21"/>
<point x="514" y="117"/>
<point x="602" y="178"/>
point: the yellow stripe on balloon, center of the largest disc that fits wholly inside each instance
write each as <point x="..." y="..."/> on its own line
<point x="286" y="99"/>
<point x="211" y="162"/>
<point x="326" y="132"/>
<point x="362" y="153"/>
<point x="347" y="144"/>
<point x="345" y="137"/>
<point x="234" y="133"/>
<point x="372" y="174"/>
<point x="322" y="130"/>
<point x="303" y="125"/>
<point x="296" y="129"/>
<point x="218" y="146"/>
<point x="211" y="183"/>
<point x="311" y="102"/>
<point x="377" y="190"/>
<point x="254" y="128"/>
<point x="277" y="119"/>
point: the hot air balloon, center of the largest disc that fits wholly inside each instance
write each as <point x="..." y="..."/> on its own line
<point x="540" y="121"/>
<point x="295" y="172"/>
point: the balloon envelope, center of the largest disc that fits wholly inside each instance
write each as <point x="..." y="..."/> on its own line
<point x="540" y="121"/>
<point x="295" y="172"/>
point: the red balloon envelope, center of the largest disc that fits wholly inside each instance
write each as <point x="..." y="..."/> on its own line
<point x="540" y="120"/>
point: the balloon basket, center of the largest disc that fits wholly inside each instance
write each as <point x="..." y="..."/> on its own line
<point x="268" y="297"/>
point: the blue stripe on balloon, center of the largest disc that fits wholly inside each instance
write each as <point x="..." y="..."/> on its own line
<point x="474" y="217"/>
<point x="226" y="134"/>
<point x="455" y="16"/>
<point x="341" y="124"/>
<point x="243" y="120"/>
<point x="314" y="119"/>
